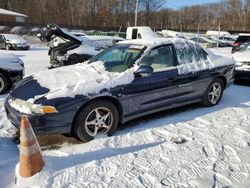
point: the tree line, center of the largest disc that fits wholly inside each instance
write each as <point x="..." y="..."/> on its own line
<point x="159" y="14"/>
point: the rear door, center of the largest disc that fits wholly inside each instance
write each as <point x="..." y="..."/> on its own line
<point x="194" y="73"/>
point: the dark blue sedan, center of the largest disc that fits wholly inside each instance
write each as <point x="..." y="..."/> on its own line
<point x="129" y="80"/>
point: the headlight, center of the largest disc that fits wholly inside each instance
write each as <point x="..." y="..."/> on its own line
<point x="30" y="108"/>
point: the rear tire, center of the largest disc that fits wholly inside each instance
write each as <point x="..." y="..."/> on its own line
<point x="213" y="93"/>
<point x="96" y="117"/>
<point x="3" y="84"/>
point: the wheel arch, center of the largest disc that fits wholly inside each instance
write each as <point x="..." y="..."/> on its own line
<point x="111" y="99"/>
<point x="3" y="72"/>
<point x="223" y="79"/>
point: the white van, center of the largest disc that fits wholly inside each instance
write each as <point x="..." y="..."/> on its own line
<point x="140" y="33"/>
<point x="222" y="33"/>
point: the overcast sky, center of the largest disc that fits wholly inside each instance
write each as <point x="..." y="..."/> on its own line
<point x="180" y="3"/>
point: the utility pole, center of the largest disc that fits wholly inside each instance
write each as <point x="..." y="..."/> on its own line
<point x="218" y="41"/>
<point x="198" y="30"/>
<point x="136" y="11"/>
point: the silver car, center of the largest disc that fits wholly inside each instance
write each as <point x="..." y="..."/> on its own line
<point x="13" y="42"/>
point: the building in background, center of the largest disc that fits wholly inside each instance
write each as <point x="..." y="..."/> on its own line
<point x="8" y="17"/>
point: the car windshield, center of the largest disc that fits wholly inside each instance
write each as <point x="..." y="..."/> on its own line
<point x="12" y="37"/>
<point x="120" y="57"/>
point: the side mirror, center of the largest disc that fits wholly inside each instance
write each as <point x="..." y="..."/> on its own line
<point x="144" y="69"/>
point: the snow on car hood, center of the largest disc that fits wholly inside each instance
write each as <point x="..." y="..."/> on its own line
<point x="10" y="62"/>
<point x="81" y="79"/>
<point x="17" y="41"/>
<point x="242" y="60"/>
<point x="242" y="56"/>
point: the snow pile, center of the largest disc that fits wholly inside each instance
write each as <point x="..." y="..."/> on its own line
<point x="81" y="79"/>
<point x="201" y="147"/>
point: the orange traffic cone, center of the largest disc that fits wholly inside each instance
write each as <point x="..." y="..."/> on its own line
<point x="31" y="160"/>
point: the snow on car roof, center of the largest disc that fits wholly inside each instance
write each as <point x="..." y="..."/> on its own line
<point x="11" y="36"/>
<point x="150" y="42"/>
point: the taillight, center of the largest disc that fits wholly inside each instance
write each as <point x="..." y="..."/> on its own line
<point x="236" y="44"/>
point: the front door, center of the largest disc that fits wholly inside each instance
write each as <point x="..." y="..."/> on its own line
<point x="149" y="92"/>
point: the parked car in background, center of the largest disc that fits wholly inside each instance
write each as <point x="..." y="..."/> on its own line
<point x="226" y="41"/>
<point x="13" y="42"/>
<point x="205" y="42"/>
<point x="11" y="71"/>
<point x="34" y="31"/>
<point x="242" y="58"/>
<point x="4" y="29"/>
<point x="19" y="30"/>
<point x="242" y="40"/>
<point x="128" y="80"/>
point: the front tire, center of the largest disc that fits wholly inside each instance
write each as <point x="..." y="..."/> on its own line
<point x="7" y="47"/>
<point x="97" y="117"/>
<point x="213" y="93"/>
<point x="3" y="84"/>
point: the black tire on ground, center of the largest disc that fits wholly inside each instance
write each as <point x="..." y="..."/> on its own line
<point x="88" y="114"/>
<point x="4" y="84"/>
<point x="209" y="98"/>
<point x="7" y="47"/>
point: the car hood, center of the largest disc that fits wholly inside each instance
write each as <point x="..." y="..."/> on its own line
<point x="70" y="81"/>
<point x="27" y="88"/>
<point x="242" y="56"/>
<point x="10" y="62"/>
<point x="8" y="58"/>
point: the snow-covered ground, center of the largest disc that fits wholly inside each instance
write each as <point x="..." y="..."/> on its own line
<point x="191" y="146"/>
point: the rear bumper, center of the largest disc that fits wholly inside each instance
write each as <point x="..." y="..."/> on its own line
<point x="16" y="47"/>
<point x="21" y="47"/>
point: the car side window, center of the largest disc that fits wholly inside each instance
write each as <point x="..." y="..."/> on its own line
<point x="189" y="52"/>
<point x="160" y="58"/>
<point x="1" y="38"/>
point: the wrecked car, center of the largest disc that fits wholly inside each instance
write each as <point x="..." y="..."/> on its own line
<point x="133" y="78"/>
<point x="70" y="48"/>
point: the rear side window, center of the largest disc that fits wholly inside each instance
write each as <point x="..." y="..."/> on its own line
<point x="243" y="39"/>
<point x="189" y="52"/>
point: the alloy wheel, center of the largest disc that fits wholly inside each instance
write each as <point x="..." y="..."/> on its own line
<point x="214" y="93"/>
<point x="98" y="120"/>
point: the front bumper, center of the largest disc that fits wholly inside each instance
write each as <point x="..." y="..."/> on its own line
<point x="242" y="74"/>
<point x="56" y="123"/>
<point x="16" y="47"/>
